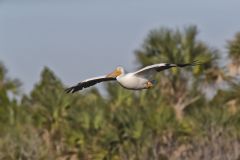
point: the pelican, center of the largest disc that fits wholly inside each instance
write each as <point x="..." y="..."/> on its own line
<point x="138" y="80"/>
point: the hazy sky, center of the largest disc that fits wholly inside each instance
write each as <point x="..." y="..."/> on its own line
<point x="80" y="39"/>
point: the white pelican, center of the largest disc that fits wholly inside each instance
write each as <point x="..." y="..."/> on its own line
<point x="134" y="81"/>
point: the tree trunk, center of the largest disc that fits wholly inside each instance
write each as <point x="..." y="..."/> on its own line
<point x="179" y="113"/>
<point x="181" y="105"/>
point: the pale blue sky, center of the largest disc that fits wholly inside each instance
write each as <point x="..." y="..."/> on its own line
<point x="80" y="39"/>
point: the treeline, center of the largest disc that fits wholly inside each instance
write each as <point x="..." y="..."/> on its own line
<point x="192" y="113"/>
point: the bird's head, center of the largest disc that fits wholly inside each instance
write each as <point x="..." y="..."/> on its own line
<point x="117" y="72"/>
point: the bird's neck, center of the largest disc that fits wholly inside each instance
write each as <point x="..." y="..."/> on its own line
<point x="121" y="75"/>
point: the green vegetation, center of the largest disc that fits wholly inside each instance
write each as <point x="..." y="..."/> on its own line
<point x="192" y="113"/>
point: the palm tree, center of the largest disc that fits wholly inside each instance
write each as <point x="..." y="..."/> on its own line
<point x="233" y="47"/>
<point x="48" y="107"/>
<point x="7" y="105"/>
<point x="179" y="87"/>
<point x="230" y="96"/>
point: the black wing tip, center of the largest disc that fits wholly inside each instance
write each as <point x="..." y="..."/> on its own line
<point x="194" y="63"/>
<point x="71" y="89"/>
<point x="197" y="62"/>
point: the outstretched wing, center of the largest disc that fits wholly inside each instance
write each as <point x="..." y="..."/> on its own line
<point x="88" y="82"/>
<point x="152" y="69"/>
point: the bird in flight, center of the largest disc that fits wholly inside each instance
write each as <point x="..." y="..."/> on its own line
<point x="138" y="80"/>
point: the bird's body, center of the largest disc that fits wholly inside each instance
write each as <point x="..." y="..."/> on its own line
<point x="138" y="80"/>
<point x="130" y="81"/>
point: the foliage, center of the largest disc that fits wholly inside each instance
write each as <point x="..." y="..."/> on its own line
<point x="175" y="46"/>
<point x="233" y="47"/>
<point x="128" y="125"/>
<point x="9" y="88"/>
